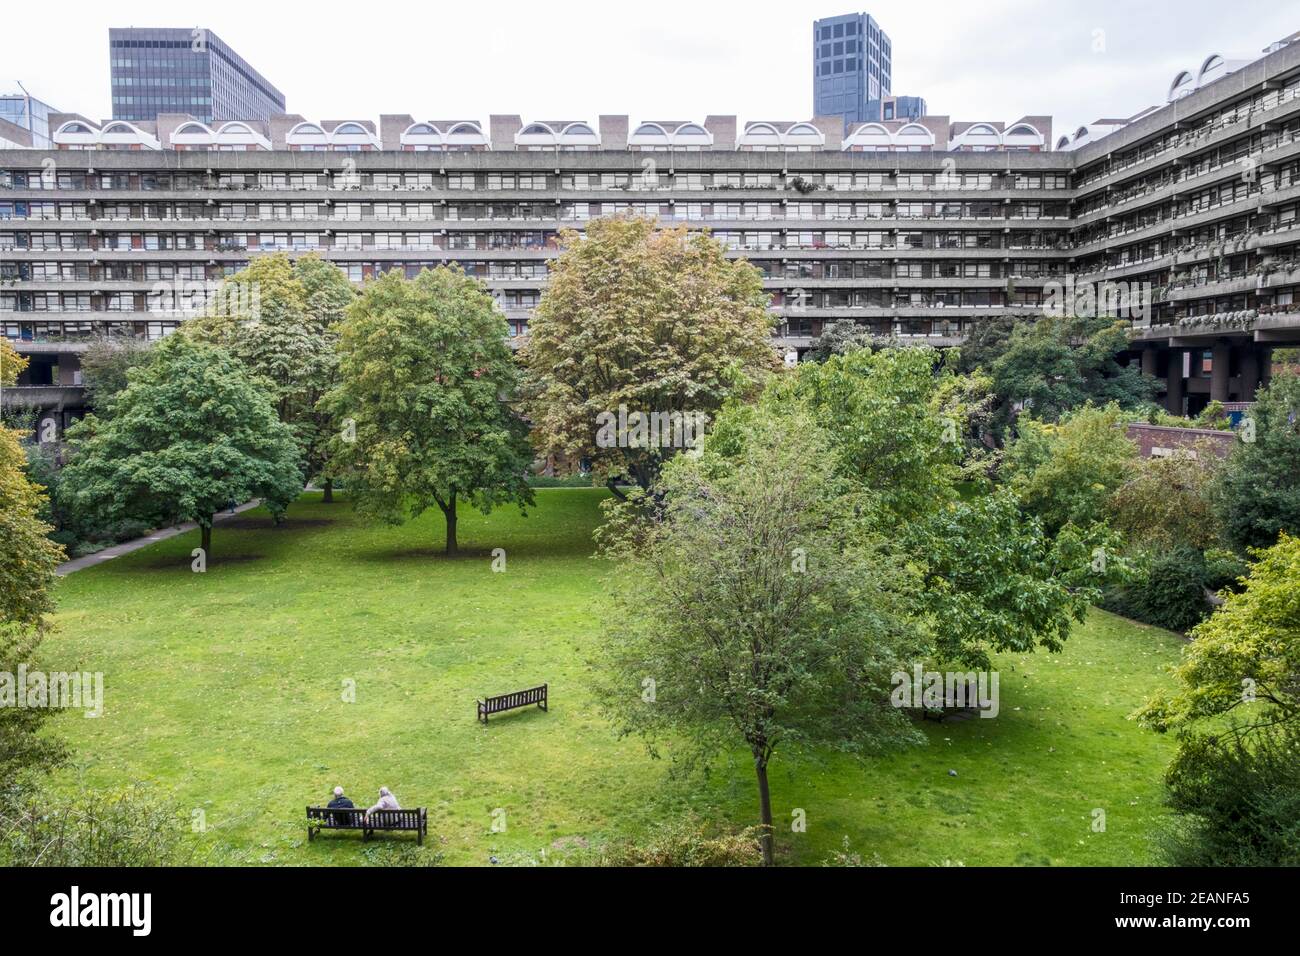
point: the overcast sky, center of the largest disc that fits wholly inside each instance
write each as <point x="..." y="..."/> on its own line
<point x="666" y="59"/>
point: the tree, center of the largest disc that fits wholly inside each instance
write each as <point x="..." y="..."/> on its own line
<point x="1066" y="473"/>
<point x="884" y="415"/>
<point x="190" y="434"/>
<point x="987" y="341"/>
<point x="279" y="318"/>
<point x="28" y="560"/>
<point x="897" y="422"/>
<point x="1056" y="364"/>
<point x="755" y="609"/>
<point x="1257" y="494"/>
<point x="843" y="336"/>
<point x="1245" y="659"/>
<point x="993" y="581"/>
<point x="657" y="321"/>
<point x="1165" y="503"/>
<point x="425" y="375"/>
<point x="11" y="363"/>
<point x="105" y="365"/>
<point x="1236" y="711"/>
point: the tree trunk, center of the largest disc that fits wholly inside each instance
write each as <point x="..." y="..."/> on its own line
<point x="764" y="812"/>
<point x="205" y="539"/>
<point x="328" y="496"/>
<point x="450" y="513"/>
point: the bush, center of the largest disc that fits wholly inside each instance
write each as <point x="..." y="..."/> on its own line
<point x="685" y="842"/>
<point x="1168" y="590"/>
<point x="120" y="828"/>
<point x="1236" y="804"/>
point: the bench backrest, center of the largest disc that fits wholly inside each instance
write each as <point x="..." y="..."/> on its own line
<point x="342" y="817"/>
<point x="397" y="819"/>
<point x="520" y="698"/>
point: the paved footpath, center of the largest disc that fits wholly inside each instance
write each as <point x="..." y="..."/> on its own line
<point x="126" y="547"/>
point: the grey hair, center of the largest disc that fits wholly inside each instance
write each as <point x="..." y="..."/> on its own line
<point x="338" y="791"/>
<point x="383" y="792"/>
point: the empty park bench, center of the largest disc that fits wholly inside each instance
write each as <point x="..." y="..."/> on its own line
<point x="326" y="818"/>
<point x="520" y="698"/>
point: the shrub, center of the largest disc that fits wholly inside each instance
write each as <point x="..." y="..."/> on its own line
<point x="1168" y="590"/>
<point x="685" y="842"/>
<point x="1236" y="804"/>
<point x="121" y="828"/>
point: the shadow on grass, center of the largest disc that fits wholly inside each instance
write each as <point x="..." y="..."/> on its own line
<point x="266" y="524"/>
<point x="216" y="562"/>
<point x="514" y="549"/>
<point x="523" y="715"/>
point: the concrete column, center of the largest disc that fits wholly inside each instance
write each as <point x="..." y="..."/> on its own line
<point x="1265" y="364"/>
<point x="1249" y="372"/>
<point x="1148" y="361"/>
<point x="1174" y="391"/>
<point x="1220" y="365"/>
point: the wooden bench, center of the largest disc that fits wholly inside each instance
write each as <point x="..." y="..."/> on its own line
<point x="326" y="818"/>
<point x="520" y="698"/>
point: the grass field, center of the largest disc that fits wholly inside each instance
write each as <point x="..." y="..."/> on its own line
<point x="224" y="691"/>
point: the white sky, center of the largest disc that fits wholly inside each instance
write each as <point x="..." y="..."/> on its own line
<point x="666" y="59"/>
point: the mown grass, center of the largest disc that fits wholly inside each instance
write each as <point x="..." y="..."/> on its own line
<point x="225" y="692"/>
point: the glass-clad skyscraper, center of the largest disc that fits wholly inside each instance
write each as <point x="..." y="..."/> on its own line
<point x="184" y="70"/>
<point x="852" y="64"/>
<point x="29" y="113"/>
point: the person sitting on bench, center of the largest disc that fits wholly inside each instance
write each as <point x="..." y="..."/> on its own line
<point x="340" y="802"/>
<point x="386" y="801"/>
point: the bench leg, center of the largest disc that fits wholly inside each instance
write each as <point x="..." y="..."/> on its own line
<point x="311" y="834"/>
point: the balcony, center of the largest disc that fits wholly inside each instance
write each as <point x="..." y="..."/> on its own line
<point x="43" y="396"/>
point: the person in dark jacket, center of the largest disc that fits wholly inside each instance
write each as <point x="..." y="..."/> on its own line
<point x="340" y="802"/>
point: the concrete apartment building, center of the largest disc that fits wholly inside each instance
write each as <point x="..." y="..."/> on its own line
<point x="185" y="70"/>
<point x="918" y="230"/>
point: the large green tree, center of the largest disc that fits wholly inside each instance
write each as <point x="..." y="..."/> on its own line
<point x="1236" y="712"/>
<point x="422" y="403"/>
<point x="756" y="610"/>
<point x="1057" y="364"/>
<point x="653" y="320"/>
<point x="898" y="423"/>
<point x="1066" y="473"/>
<point x="28" y="559"/>
<point x="279" y="317"/>
<point x="1257" y="492"/>
<point x="190" y="434"/>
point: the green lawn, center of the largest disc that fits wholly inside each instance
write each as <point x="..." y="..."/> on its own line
<point x="224" y="691"/>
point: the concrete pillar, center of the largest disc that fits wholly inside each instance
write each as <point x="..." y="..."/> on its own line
<point x="1174" y="382"/>
<point x="1220" y="365"/>
<point x="1249" y="372"/>
<point x="1265" y="364"/>
<point x="1148" y="361"/>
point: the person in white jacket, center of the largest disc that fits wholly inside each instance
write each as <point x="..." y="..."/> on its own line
<point x="386" y="801"/>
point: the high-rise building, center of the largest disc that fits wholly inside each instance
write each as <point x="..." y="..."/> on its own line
<point x="894" y="108"/>
<point x="28" y="113"/>
<point x="853" y="72"/>
<point x="160" y="70"/>
<point x="852" y="63"/>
